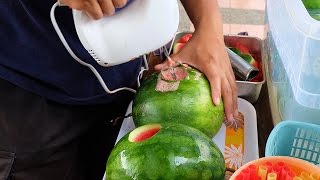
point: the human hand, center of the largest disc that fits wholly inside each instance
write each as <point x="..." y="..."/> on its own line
<point x="96" y="9"/>
<point x="208" y="54"/>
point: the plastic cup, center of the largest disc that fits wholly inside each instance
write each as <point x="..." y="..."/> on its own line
<point x="284" y="171"/>
<point x="253" y="171"/>
<point x="297" y="178"/>
<point x="276" y="169"/>
<point x="272" y="176"/>
<point x="305" y="176"/>
<point x="315" y="176"/>
<point x="269" y="166"/>
<point x="240" y="177"/>
<point x="246" y="174"/>
<point x="262" y="172"/>
<point x="290" y="176"/>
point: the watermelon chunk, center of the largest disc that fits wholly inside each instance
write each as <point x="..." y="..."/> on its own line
<point x="185" y="38"/>
<point x="177" y="47"/>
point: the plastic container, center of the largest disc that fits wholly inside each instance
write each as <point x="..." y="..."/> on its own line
<point x="295" y="139"/>
<point x="247" y="90"/>
<point x="285" y="167"/>
<point x="293" y="68"/>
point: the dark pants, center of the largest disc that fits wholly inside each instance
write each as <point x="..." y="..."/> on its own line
<point x="43" y="140"/>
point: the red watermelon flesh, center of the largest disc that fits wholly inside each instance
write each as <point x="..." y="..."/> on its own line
<point x="174" y="73"/>
<point x="185" y="38"/>
<point x="144" y="133"/>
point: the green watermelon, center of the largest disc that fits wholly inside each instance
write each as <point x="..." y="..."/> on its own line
<point x="184" y="99"/>
<point x="313" y="8"/>
<point x="311" y="4"/>
<point x="168" y="151"/>
<point x="315" y="13"/>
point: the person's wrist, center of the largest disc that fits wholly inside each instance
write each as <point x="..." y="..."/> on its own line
<point x="209" y="36"/>
<point x="209" y="31"/>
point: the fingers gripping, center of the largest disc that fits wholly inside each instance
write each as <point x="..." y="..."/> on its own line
<point x="96" y="9"/>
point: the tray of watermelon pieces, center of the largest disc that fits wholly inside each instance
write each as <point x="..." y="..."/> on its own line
<point x="238" y="142"/>
<point x="249" y="48"/>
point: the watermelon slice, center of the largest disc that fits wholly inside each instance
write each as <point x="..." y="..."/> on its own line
<point x="245" y="56"/>
<point x="242" y="48"/>
<point x="177" y="47"/>
<point x="185" y="38"/>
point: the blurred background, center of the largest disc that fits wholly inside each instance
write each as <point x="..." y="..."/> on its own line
<point x="238" y="16"/>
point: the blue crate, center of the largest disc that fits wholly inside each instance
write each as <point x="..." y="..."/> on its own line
<point x="295" y="139"/>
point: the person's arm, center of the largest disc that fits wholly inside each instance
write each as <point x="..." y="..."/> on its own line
<point x="206" y="52"/>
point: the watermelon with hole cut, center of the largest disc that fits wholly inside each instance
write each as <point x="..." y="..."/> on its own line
<point x="181" y="95"/>
<point x="165" y="151"/>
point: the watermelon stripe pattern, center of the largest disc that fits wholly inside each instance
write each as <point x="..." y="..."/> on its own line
<point x="190" y="104"/>
<point x="175" y="152"/>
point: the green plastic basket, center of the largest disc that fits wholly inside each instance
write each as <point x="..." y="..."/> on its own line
<point x="295" y="139"/>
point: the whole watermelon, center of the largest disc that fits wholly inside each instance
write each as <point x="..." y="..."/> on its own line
<point x="165" y="151"/>
<point x="185" y="99"/>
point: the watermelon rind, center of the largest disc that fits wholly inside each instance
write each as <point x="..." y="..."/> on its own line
<point x="176" y="152"/>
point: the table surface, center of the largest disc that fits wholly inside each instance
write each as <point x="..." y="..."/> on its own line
<point x="264" y="118"/>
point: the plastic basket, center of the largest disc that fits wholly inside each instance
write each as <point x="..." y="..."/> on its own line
<point x="295" y="139"/>
<point x="278" y="167"/>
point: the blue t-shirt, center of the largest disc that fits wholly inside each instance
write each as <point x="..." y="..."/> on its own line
<point x="33" y="57"/>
